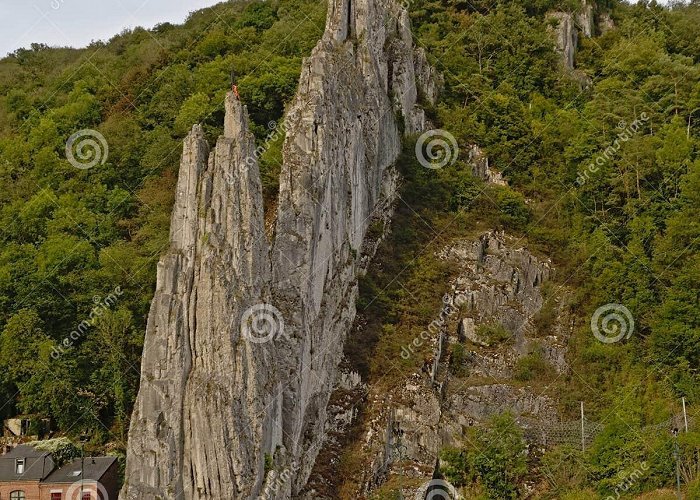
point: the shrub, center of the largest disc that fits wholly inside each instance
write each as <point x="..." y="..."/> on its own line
<point x="513" y="210"/>
<point x="62" y="449"/>
<point x="457" y="359"/>
<point x="497" y="459"/>
<point x="533" y="367"/>
<point x="494" y="333"/>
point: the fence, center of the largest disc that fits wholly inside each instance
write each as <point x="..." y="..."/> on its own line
<point x="582" y="432"/>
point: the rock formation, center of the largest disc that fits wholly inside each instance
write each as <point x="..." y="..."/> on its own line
<point x="566" y="36"/>
<point x="481" y="167"/>
<point x="567" y="26"/>
<point x="245" y="335"/>
<point x="495" y="281"/>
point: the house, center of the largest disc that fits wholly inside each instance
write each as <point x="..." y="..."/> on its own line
<point x="29" y="425"/>
<point x="21" y="472"/>
<point x="30" y="474"/>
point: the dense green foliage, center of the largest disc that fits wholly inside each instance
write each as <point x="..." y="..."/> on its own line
<point x="496" y="459"/>
<point x="611" y="175"/>
<point x="69" y="238"/>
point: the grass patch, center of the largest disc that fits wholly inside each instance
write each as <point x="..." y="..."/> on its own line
<point x="494" y="333"/>
<point x="533" y="367"/>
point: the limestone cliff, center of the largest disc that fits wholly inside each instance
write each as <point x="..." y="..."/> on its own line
<point x="566" y="27"/>
<point x="496" y="280"/>
<point x="245" y="335"/>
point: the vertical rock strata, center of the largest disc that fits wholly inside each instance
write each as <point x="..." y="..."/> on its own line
<point x="219" y="416"/>
<point x="567" y="26"/>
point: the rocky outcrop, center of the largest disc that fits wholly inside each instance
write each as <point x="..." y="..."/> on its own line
<point x="195" y="363"/>
<point x="565" y="35"/>
<point x="566" y="27"/>
<point x="245" y="335"/>
<point x="496" y="281"/>
<point x="605" y="23"/>
<point x="585" y="20"/>
<point x="481" y="168"/>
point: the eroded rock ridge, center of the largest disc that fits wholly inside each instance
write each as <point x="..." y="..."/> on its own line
<point x="219" y="416"/>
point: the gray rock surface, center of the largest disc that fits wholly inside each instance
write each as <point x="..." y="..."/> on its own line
<point x="566" y="29"/>
<point x="585" y="20"/>
<point x="481" y="167"/>
<point x="495" y="280"/>
<point x="566" y="37"/>
<point x="605" y="23"/>
<point x="245" y="335"/>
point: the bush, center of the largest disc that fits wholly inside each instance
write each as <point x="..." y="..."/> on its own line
<point x="494" y="333"/>
<point x="563" y="469"/>
<point x="457" y="359"/>
<point x="62" y="449"/>
<point x="513" y="210"/>
<point x="533" y="367"/>
<point x="497" y="459"/>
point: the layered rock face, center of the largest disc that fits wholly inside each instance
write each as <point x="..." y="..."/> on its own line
<point x="568" y="26"/>
<point x="496" y="281"/>
<point x="245" y="335"/>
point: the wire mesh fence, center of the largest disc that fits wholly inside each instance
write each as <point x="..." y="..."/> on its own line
<point x="582" y="432"/>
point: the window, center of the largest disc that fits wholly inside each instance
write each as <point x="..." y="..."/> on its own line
<point x="87" y="496"/>
<point x="19" y="467"/>
<point x="17" y="495"/>
<point x="56" y="496"/>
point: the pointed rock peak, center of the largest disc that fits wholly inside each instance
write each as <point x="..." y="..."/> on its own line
<point x="338" y="20"/>
<point x="196" y="133"/>
<point x="236" y="120"/>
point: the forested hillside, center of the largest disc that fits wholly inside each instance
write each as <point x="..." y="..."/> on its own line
<point x="73" y="239"/>
<point x="603" y="172"/>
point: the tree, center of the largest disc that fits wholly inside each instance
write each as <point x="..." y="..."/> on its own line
<point x="497" y="458"/>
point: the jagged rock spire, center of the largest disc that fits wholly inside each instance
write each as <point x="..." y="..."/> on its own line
<point x="198" y="384"/>
<point x="217" y="409"/>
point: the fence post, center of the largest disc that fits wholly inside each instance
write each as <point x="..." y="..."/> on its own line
<point x="583" y="431"/>
<point x="685" y="416"/>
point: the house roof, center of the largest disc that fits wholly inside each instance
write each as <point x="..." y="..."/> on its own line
<point x="38" y="464"/>
<point x="94" y="469"/>
<point x="25" y="451"/>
